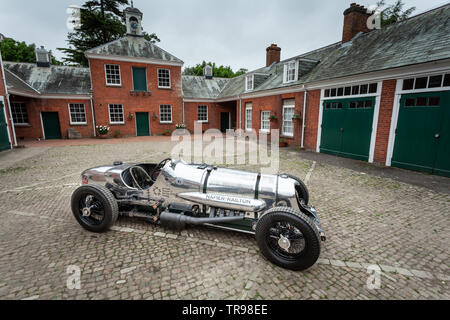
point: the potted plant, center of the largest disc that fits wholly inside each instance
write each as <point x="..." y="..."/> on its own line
<point x="154" y="116"/>
<point x="130" y="116"/>
<point x="102" y="131"/>
<point x="283" y="143"/>
<point x="167" y="132"/>
<point x="117" y="134"/>
<point x="272" y="118"/>
<point x="297" y="117"/>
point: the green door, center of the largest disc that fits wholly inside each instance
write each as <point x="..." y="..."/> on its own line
<point x="142" y="125"/>
<point x="422" y="137"/>
<point x="4" y="138"/>
<point x="224" y="121"/>
<point x="50" y="122"/>
<point x="347" y="127"/>
<point x="139" y="79"/>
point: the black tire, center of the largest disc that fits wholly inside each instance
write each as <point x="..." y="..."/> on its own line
<point x="297" y="221"/>
<point x="106" y="206"/>
<point x="302" y="191"/>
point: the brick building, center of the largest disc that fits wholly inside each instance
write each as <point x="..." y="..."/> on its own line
<point x="380" y="95"/>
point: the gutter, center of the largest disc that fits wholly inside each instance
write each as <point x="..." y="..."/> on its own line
<point x="11" y="120"/>
<point x="303" y="118"/>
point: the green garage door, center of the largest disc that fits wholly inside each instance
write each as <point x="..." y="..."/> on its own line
<point x="347" y="127"/>
<point x="422" y="138"/>
<point x="4" y="138"/>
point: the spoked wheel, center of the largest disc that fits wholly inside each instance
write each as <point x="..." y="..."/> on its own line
<point x="94" y="207"/>
<point x="288" y="238"/>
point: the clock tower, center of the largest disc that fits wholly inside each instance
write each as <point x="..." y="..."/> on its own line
<point x="133" y="20"/>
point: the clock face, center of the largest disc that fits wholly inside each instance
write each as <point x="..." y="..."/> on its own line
<point x="134" y="25"/>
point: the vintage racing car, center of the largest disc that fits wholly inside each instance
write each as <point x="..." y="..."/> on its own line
<point x="174" y="194"/>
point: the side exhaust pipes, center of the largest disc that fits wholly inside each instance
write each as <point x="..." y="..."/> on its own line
<point x="178" y="221"/>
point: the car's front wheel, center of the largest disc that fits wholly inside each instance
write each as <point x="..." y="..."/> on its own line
<point x="94" y="207"/>
<point x="288" y="238"/>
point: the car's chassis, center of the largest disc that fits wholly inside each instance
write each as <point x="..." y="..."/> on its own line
<point x="174" y="194"/>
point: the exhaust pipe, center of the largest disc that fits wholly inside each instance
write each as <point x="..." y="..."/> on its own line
<point x="178" y="221"/>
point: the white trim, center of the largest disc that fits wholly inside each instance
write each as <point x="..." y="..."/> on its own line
<point x="2" y="100"/>
<point x="375" y="116"/>
<point x="290" y="106"/>
<point x="261" y="121"/>
<point x="302" y="144"/>
<point x="171" y="114"/>
<point x="170" y="79"/>
<point x="285" y="71"/>
<point x="11" y="120"/>
<point x="109" y="113"/>
<point x="207" y="113"/>
<point x="132" y="78"/>
<point x="200" y="100"/>
<point x="50" y="96"/>
<point x="70" y="115"/>
<point x="248" y="106"/>
<point x="20" y="123"/>
<point x="394" y="118"/>
<point x="106" y="76"/>
<point x="131" y="59"/>
<point x="42" y="125"/>
<point x="319" y="124"/>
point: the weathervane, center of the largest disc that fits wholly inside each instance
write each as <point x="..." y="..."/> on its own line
<point x="132" y="4"/>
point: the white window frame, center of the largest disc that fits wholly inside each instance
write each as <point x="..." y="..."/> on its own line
<point x="109" y="113"/>
<point x="106" y="75"/>
<point x="26" y="110"/>
<point x="287" y="68"/>
<point x="198" y="109"/>
<point x="283" y="131"/>
<point x="70" y="114"/>
<point x="164" y="87"/>
<point x="248" y="107"/>
<point x="247" y="78"/>
<point x="160" y="114"/>
<point x="265" y="121"/>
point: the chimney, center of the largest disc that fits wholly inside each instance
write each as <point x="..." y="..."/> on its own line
<point x="272" y="54"/>
<point x="208" y="72"/>
<point x="355" y="21"/>
<point x="43" y="57"/>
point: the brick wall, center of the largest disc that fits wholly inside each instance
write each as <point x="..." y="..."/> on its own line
<point x="274" y="104"/>
<point x="384" y="120"/>
<point x="214" y="110"/>
<point x="312" y="119"/>
<point x="36" y="106"/>
<point x="137" y="102"/>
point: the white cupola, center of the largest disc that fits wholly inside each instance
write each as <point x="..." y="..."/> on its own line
<point x="133" y="20"/>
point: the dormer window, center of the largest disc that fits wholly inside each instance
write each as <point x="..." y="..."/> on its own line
<point x="249" y="80"/>
<point x="290" y="71"/>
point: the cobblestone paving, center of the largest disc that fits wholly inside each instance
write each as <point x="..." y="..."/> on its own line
<point x="369" y="220"/>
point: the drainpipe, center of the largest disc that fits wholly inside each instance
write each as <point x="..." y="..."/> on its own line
<point x="183" y="111"/>
<point x="11" y="120"/>
<point x="240" y="112"/>
<point x="303" y="118"/>
<point x="93" y="117"/>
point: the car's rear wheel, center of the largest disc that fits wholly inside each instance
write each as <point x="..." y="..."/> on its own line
<point x="288" y="238"/>
<point x="94" y="207"/>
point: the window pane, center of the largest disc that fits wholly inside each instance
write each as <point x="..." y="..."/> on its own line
<point x="115" y="113"/>
<point x="112" y="74"/>
<point x="339" y="105"/>
<point x="373" y="87"/>
<point x="288" y="126"/>
<point x="435" y="81"/>
<point x="447" y="80"/>
<point x="164" y="78"/>
<point x="327" y="92"/>
<point x="368" y="104"/>
<point x="408" y="84"/>
<point x="347" y="91"/>
<point x="77" y="113"/>
<point x="202" y="113"/>
<point x="434" y="101"/>
<point x="360" y="104"/>
<point x="352" y="105"/>
<point x="421" y="83"/>
<point x="165" y="113"/>
<point x="333" y="92"/>
<point x="248" y="118"/>
<point x="363" y="89"/>
<point x="340" y="91"/>
<point x="421" y="101"/>
<point x="265" y="122"/>
<point x="328" y="105"/>
<point x="19" y="113"/>
<point x="410" y="102"/>
<point x="355" y="90"/>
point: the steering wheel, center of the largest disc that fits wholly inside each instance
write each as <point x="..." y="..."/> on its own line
<point x="140" y="177"/>
<point x="157" y="169"/>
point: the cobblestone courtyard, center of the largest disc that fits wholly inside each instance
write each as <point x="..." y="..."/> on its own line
<point x="369" y="219"/>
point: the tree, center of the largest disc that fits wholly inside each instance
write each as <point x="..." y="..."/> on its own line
<point x="16" y="51"/>
<point x="394" y="12"/>
<point x="102" y="21"/>
<point x="218" y="71"/>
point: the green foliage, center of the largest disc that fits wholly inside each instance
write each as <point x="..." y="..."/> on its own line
<point x="218" y="71"/>
<point x="19" y="51"/>
<point x="101" y="22"/>
<point x="394" y="12"/>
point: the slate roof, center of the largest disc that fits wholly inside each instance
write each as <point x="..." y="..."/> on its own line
<point x="51" y="80"/>
<point x="133" y="46"/>
<point x="199" y="87"/>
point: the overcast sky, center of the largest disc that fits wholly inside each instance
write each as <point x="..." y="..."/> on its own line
<point x="228" y="32"/>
